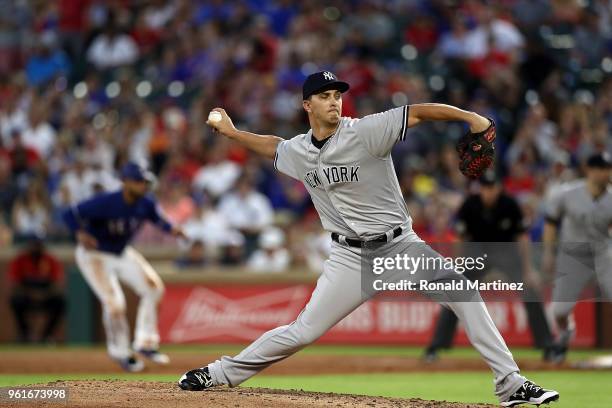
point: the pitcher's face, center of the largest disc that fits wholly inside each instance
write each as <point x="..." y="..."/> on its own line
<point x="325" y="107"/>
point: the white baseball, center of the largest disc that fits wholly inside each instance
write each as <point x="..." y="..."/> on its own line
<point x="214" y="116"/>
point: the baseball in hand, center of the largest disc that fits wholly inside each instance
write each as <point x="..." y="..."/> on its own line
<point x="214" y="116"/>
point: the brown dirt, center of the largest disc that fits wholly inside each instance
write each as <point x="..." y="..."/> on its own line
<point x="116" y="394"/>
<point x="136" y="394"/>
<point x="63" y="361"/>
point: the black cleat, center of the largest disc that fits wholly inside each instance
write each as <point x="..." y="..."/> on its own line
<point x="131" y="364"/>
<point x="548" y="354"/>
<point x="530" y="393"/>
<point x="560" y="355"/>
<point x="155" y="356"/>
<point x="198" y="379"/>
<point x="430" y="356"/>
<point x="555" y="354"/>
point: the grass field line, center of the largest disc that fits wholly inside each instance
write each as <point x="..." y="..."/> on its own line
<point x="400" y="351"/>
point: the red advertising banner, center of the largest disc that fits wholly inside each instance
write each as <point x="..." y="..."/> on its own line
<point x="240" y="314"/>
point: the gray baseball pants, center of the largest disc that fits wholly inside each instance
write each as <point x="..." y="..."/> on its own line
<point x="574" y="271"/>
<point x="339" y="292"/>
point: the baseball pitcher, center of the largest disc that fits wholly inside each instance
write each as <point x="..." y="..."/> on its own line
<point x="104" y="226"/>
<point x="345" y="164"/>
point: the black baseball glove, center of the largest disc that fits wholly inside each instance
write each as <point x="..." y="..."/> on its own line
<point x="477" y="152"/>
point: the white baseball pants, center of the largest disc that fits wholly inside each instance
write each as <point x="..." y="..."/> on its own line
<point x="103" y="271"/>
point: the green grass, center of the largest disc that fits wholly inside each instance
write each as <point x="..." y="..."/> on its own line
<point x="584" y="389"/>
<point x="578" y="389"/>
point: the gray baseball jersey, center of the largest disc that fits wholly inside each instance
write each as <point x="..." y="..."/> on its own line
<point x="351" y="179"/>
<point x="585" y="252"/>
<point x="583" y="218"/>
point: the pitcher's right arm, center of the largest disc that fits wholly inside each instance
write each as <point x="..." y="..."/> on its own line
<point x="264" y="145"/>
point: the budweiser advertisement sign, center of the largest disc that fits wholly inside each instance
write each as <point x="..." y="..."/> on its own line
<point x="240" y="314"/>
<point x="228" y="314"/>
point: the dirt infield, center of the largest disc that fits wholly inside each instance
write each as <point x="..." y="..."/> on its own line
<point x="89" y="393"/>
<point x="136" y="394"/>
<point x="64" y="361"/>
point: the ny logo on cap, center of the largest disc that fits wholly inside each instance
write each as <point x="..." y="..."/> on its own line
<point x="328" y="75"/>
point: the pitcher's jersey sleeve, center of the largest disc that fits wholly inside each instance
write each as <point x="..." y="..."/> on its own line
<point x="288" y="156"/>
<point x="380" y="131"/>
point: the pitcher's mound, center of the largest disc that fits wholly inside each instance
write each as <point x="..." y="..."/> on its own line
<point x="137" y="394"/>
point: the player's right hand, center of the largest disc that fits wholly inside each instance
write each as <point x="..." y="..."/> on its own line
<point x="225" y="126"/>
<point x="85" y="239"/>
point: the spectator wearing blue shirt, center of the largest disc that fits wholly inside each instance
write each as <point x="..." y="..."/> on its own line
<point x="47" y="61"/>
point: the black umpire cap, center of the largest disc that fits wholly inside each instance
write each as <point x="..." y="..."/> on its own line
<point x="321" y="82"/>
<point x="600" y="161"/>
<point x="489" y="178"/>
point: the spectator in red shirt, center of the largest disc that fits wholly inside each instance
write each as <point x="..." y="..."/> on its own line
<point x="35" y="277"/>
<point x="147" y="37"/>
<point x="422" y="34"/>
<point x="23" y="158"/>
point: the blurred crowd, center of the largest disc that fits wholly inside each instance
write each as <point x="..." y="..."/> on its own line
<point x="87" y="85"/>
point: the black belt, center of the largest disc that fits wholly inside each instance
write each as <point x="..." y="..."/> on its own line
<point x="359" y="243"/>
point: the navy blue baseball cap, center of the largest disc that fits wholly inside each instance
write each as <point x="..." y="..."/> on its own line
<point x="321" y="82"/>
<point x="136" y="172"/>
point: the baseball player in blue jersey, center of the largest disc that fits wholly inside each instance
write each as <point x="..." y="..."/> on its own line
<point x="346" y="166"/>
<point x="104" y="226"/>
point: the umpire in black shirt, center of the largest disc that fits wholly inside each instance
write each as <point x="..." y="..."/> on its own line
<point x="486" y="219"/>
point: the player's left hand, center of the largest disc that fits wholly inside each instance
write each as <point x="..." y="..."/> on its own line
<point x="87" y="240"/>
